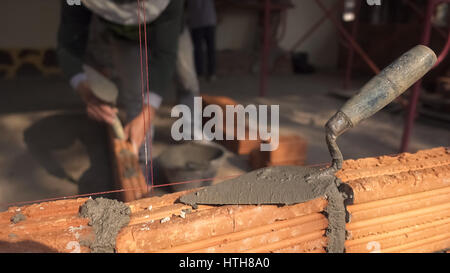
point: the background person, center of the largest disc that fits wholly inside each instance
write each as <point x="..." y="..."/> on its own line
<point x="121" y="24"/>
<point x="202" y="20"/>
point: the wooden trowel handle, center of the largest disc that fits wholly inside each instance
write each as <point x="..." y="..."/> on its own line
<point x="388" y="85"/>
<point x="376" y="94"/>
<point x="118" y="128"/>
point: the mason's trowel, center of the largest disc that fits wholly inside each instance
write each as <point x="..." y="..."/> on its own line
<point x="284" y="185"/>
<point x="107" y="91"/>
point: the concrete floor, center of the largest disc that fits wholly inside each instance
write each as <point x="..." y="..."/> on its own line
<point x="48" y="147"/>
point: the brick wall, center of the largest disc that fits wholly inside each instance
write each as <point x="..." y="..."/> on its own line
<point x="401" y="204"/>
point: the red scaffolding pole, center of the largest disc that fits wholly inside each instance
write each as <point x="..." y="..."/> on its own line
<point x="264" y="70"/>
<point x="415" y="92"/>
<point x="354" y="46"/>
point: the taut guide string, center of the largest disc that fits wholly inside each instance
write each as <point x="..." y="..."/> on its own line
<point x="132" y="189"/>
<point x="147" y="141"/>
<point x="152" y="186"/>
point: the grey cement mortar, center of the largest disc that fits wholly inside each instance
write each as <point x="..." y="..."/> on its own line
<point x="190" y="161"/>
<point x="18" y="218"/>
<point x="336" y="214"/>
<point x="107" y="217"/>
<point x="282" y="185"/>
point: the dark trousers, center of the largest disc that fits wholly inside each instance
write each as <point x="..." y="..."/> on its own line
<point x="207" y="36"/>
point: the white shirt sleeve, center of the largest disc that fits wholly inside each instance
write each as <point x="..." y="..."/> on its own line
<point x="77" y="79"/>
<point x="153" y="100"/>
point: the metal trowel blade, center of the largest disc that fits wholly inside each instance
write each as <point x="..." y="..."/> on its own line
<point x="278" y="185"/>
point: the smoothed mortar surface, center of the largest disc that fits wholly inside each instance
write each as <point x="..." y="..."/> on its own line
<point x="281" y="185"/>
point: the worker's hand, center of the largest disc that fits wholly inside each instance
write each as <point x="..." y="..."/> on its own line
<point x="136" y="130"/>
<point x="96" y="108"/>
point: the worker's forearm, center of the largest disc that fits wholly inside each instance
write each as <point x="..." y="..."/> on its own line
<point x="153" y="99"/>
<point x="147" y="114"/>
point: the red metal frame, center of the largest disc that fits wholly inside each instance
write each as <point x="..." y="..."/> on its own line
<point x="350" y="39"/>
<point x="354" y="46"/>
<point x="419" y="12"/>
<point x="348" y="70"/>
<point x="315" y="26"/>
<point x="264" y="70"/>
<point x="415" y="93"/>
<point x="328" y="14"/>
<point x="444" y="51"/>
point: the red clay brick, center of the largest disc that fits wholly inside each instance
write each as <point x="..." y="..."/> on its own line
<point x="241" y="147"/>
<point x="432" y="244"/>
<point x="239" y="241"/>
<point x="221" y="101"/>
<point x="42" y="210"/>
<point x="384" y="207"/>
<point x="291" y="151"/>
<point x="392" y="222"/>
<point x="398" y="237"/>
<point x="54" y="228"/>
<point x="157" y="201"/>
<point x="274" y="239"/>
<point x="135" y="186"/>
<point x="391" y="176"/>
<point x="206" y="224"/>
<point x="397" y="209"/>
<point x="313" y="246"/>
<point x="291" y="148"/>
<point x="398" y="200"/>
<point x="409" y="182"/>
<point x="388" y="165"/>
<point x="309" y="241"/>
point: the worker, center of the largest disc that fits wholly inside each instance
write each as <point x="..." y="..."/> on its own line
<point x="202" y="20"/>
<point x="121" y="23"/>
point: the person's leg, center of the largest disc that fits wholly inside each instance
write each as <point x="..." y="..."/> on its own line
<point x="210" y="39"/>
<point x="187" y="81"/>
<point x="197" y="39"/>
